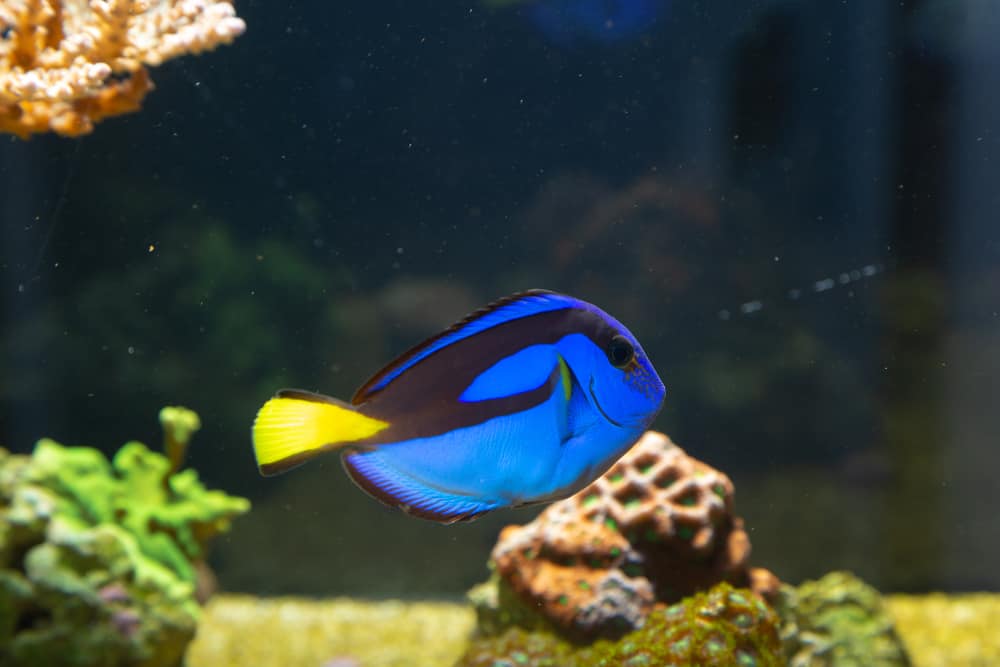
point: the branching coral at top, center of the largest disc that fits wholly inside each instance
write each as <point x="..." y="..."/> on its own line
<point x="67" y="64"/>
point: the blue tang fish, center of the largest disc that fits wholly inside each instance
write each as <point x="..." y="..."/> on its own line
<point x="525" y="401"/>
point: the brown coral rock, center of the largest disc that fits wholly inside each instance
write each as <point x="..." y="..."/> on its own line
<point x="656" y="527"/>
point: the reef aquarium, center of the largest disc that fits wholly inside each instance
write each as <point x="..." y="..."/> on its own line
<point x="499" y="333"/>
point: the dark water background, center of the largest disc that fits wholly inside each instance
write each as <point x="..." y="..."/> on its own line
<point x="347" y="178"/>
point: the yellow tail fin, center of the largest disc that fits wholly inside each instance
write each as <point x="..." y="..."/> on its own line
<point x="295" y="426"/>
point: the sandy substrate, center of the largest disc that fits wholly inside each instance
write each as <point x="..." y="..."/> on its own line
<point x="244" y="631"/>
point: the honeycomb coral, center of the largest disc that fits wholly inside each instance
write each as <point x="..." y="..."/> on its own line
<point x="656" y="527"/>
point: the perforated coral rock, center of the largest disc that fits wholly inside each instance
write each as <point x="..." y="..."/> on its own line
<point x="658" y="526"/>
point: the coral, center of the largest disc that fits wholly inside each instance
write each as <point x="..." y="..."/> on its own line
<point x="519" y="648"/>
<point x="838" y="621"/>
<point x="654" y="528"/>
<point x="97" y="558"/>
<point x="179" y="424"/>
<point x="723" y="626"/>
<point x="66" y="64"/>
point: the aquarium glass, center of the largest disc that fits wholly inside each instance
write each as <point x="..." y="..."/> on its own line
<point x="793" y="205"/>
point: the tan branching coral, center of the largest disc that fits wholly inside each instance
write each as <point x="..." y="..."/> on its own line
<point x="658" y="526"/>
<point x="67" y="64"/>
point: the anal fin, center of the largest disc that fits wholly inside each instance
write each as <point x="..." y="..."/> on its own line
<point x="379" y="479"/>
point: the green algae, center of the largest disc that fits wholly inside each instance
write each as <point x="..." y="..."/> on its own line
<point x="98" y="558"/>
<point x="838" y="621"/>
<point x="498" y="608"/>
<point x="724" y="626"/>
<point x="179" y="424"/>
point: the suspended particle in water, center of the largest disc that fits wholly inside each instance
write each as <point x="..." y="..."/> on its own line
<point x="816" y="287"/>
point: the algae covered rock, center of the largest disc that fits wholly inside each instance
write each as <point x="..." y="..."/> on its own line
<point x="98" y="558"/>
<point x="638" y="568"/>
<point x="838" y="621"/>
<point x="724" y="626"/>
<point x="659" y="525"/>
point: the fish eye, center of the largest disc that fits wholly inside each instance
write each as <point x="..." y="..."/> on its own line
<point x="620" y="351"/>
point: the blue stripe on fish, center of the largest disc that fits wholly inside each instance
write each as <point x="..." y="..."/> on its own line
<point x="523" y="304"/>
<point x="520" y="372"/>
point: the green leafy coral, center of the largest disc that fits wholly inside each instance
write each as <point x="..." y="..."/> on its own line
<point x="724" y="626"/>
<point x="98" y="558"/>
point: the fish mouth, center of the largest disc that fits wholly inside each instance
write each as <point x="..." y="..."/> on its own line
<point x="593" y="397"/>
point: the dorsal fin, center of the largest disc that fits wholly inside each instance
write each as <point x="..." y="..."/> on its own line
<point x="515" y="306"/>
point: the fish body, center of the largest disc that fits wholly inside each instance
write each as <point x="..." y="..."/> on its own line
<point x="525" y="401"/>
